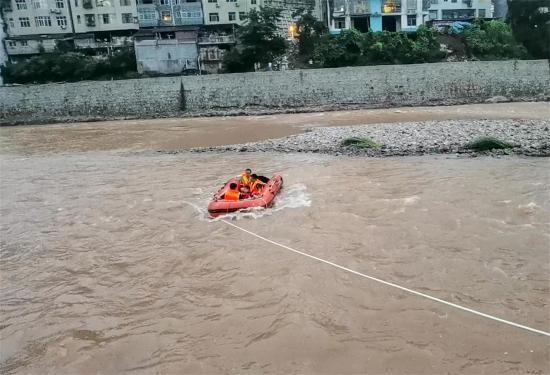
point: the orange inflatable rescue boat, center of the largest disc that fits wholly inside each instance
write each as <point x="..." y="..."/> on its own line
<point x="219" y="206"/>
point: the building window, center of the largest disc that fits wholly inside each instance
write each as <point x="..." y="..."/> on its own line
<point x="214" y="17"/>
<point x="411" y="20"/>
<point x="339" y="24"/>
<point x="166" y="16"/>
<point x="433" y="14"/>
<point x="106" y="19"/>
<point x="481" y="13"/>
<point x="127" y="18"/>
<point x="253" y="2"/>
<point x="191" y="14"/>
<point x="61" y="21"/>
<point x="165" y="2"/>
<point x="39" y="4"/>
<point x="12" y="44"/>
<point x="59" y="4"/>
<point x="75" y="3"/>
<point x="232" y="16"/>
<point x="125" y="3"/>
<point x="231" y="1"/>
<point x="21" y="4"/>
<point x="454" y="1"/>
<point x="242" y="16"/>
<point x="90" y="20"/>
<point x="147" y="15"/>
<point x="78" y="20"/>
<point x="24" y="43"/>
<point x="24" y="21"/>
<point x="212" y="1"/>
<point x="11" y="22"/>
<point x="43" y="21"/>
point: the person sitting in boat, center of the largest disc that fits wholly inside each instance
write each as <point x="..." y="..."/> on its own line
<point x="264" y="179"/>
<point x="245" y="178"/>
<point x="233" y="193"/>
<point x="256" y="185"/>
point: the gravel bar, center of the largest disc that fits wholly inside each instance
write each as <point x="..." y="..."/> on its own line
<point x="529" y="137"/>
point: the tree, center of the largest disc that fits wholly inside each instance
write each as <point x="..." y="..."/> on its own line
<point x="258" y="41"/>
<point x="530" y="23"/>
<point x="492" y="40"/>
<point x="310" y="30"/>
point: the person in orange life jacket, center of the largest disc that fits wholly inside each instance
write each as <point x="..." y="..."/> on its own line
<point x="245" y="178"/>
<point x="256" y="185"/>
<point x="233" y="193"/>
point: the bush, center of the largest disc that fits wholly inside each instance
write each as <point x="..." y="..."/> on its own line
<point x="353" y="48"/>
<point x="492" y="40"/>
<point x="363" y="143"/>
<point x="488" y="143"/>
<point x="70" y="66"/>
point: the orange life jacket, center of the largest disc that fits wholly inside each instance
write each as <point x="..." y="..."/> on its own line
<point x="257" y="187"/>
<point x="231" y="195"/>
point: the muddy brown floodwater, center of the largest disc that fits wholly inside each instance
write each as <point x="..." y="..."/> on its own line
<point x="109" y="264"/>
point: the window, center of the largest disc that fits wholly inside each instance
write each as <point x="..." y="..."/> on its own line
<point x="12" y="44"/>
<point x="214" y="17"/>
<point x="253" y="2"/>
<point x="59" y="4"/>
<point x="11" y="22"/>
<point x="61" y="21"/>
<point x="340" y="24"/>
<point x="453" y="1"/>
<point x="191" y="14"/>
<point x="78" y="20"/>
<point x="165" y="2"/>
<point x="25" y="21"/>
<point x="433" y="14"/>
<point x="411" y="20"/>
<point x="106" y="19"/>
<point x="24" y="43"/>
<point x="242" y="16"/>
<point x="125" y="3"/>
<point x="166" y="16"/>
<point x="43" y="21"/>
<point x="231" y="1"/>
<point x="21" y="4"/>
<point x="147" y="14"/>
<point x="212" y="1"/>
<point x="127" y="18"/>
<point x="481" y="13"/>
<point x="76" y="3"/>
<point x="90" y="20"/>
<point x="39" y="4"/>
<point x="232" y="16"/>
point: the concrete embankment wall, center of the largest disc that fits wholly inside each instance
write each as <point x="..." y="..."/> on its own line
<point x="370" y="86"/>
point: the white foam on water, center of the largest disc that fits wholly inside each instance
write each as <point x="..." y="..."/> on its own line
<point x="294" y="196"/>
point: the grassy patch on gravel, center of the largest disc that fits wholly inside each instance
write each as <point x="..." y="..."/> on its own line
<point x="363" y="143"/>
<point x="488" y="143"/>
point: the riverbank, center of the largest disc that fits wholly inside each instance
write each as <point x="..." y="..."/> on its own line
<point x="177" y="134"/>
<point x="525" y="137"/>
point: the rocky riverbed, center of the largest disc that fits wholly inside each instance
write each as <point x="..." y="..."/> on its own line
<point x="528" y="137"/>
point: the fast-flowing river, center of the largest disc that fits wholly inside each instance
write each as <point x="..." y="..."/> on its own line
<point x="109" y="265"/>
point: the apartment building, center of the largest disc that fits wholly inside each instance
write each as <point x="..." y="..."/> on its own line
<point x="36" y="26"/>
<point x="456" y="10"/>
<point x="157" y="13"/>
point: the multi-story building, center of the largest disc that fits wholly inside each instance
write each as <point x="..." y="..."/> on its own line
<point x="456" y="10"/>
<point x="378" y="15"/>
<point x="219" y="12"/>
<point x="36" y="26"/>
<point x="154" y="13"/>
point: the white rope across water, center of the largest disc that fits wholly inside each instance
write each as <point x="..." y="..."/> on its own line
<point x="521" y="326"/>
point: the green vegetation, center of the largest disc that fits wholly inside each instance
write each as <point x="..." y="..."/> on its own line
<point x="351" y="48"/>
<point x="363" y="143"/>
<point x="488" y="143"/>
<point x="71" y="66"/>
<point x="530" y="22"/>
<point x="492" y="40"/>
<point x="309" y="30"/>
<point x="258" y="41"/>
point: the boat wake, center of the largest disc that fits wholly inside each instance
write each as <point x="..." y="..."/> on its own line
<point x="294" y="196"/>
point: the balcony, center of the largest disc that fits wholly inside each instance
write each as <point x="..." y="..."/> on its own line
<point x="391" y="6"/>
<point x="216" y="39"/>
